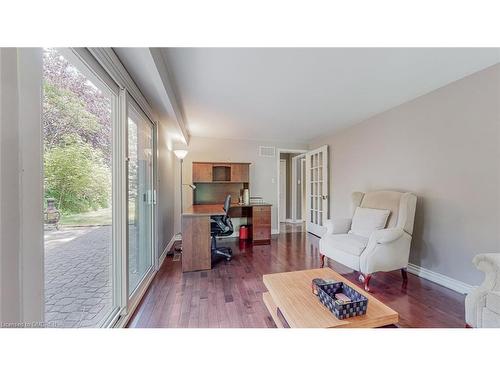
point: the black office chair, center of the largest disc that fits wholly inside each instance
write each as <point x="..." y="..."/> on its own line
<point x="221" y="226"/>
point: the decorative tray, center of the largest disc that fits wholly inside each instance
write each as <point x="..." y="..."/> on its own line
<point x="342" y="300"/>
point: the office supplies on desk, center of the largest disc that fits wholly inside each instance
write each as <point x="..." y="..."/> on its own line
<point x="246" y="196"/>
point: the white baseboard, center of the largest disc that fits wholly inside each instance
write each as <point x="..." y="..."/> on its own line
<point x="294" y="221"/>
<point x="175" y="237"/>
<point x="447" y="282"/>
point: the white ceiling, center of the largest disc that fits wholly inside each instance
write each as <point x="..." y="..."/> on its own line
<point x="296" y="94"/>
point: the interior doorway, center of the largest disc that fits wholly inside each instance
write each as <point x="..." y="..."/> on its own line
<point x="298" y="189"/>
<point x="282" y="186"/>
<point x="289" y="202"/>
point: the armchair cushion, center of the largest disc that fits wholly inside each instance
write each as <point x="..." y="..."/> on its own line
<point x="367" y="220"/>
<point x="493" y="302"/>
<point x="348" y="243"/>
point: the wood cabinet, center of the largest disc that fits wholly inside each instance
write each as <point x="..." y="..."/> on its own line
<point x="261" y="224"/>
<point x="221" y="172"/>
<point x="240" y="173"/>
<point x="196" y="243"/>
<point x="202" y="172"/>
<point x="214" y="181"/>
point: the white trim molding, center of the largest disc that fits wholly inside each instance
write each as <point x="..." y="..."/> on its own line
<point x="163" y="255"/>
<point x="112" y="64"/>
<point x="124" y="319"/>
<point x="447" y="282"/>
<point x="294" y="221"/>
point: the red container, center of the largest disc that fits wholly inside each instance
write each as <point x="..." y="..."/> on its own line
<point x="243" y="232"/>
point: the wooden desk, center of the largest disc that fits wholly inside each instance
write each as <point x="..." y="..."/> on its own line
<point x="196" y="230"/>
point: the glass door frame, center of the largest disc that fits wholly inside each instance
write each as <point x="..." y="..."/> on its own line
<point x="132" y="300"/>
<point x="97" y="62"/>
<point x="83" y="60"/>
<point x="317" y="175"/>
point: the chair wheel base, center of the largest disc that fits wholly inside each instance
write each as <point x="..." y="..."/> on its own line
<point x="222" y="253"/>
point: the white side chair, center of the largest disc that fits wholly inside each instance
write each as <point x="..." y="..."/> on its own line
<point x="384" y="250"/>
<point x="482" y="305"/>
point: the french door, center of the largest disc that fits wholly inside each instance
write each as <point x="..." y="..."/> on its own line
<point x="317" y="190"/>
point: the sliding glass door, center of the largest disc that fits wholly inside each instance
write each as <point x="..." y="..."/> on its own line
<point x="79" y="107"/>
<point x="140" y="198"/>
<point x="99" y="162"/>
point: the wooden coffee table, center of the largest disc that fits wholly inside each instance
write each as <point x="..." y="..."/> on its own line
<point x="291" y="303"/>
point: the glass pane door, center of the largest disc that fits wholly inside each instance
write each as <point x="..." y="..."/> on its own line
<point x="78" y="137"/>
<point x="140" y="198"/>
<point x="317" y="189"/>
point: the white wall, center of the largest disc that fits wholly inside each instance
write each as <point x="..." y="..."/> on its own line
<point x="263" y="170"/>
<point x="166" y="189"/>
<point x="445" y="147"/>
<point x="21" y="236"/>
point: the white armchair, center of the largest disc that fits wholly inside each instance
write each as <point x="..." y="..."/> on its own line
<point x="482" y="305"/>
<point x="384" y="250"/>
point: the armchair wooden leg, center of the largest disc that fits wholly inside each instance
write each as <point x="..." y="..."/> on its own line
<point x="404" y="273"/>
<point x="366" y="279"/>
<point x="322" y="260"/>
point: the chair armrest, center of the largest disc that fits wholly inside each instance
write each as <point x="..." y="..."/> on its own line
<point x="338" y="225"/>
<point x="489" y="263"/>
<point x="387" y="250"/>
<point x="386" y="235"/>
<point x="218" y="220"/>
<point x="475" y="301"/>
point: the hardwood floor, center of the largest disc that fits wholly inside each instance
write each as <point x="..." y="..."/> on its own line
<point x="230" y="295"/>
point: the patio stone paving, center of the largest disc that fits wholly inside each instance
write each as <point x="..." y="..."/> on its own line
<point x="77" y="276"/>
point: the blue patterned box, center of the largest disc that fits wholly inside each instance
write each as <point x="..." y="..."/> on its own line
<point x="357" y="306"/>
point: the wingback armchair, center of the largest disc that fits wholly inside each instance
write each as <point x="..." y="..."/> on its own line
<point x="482" y="305"/>
<point x="386" y="249"/>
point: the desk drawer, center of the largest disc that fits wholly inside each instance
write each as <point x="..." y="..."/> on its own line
<point x="261" y="216"/>
<point x="262" y="209"/>
<point x="261" y="233"/>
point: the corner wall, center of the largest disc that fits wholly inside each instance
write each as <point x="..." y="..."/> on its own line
<point x="443" y="146"/>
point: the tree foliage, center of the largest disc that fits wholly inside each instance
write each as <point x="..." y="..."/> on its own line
<point x="64" y="85"/>
<point x="77" y="137"/>
<point x="76" y="176"/>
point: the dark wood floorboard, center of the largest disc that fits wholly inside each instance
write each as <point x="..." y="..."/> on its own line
<point x="230" y="295"/>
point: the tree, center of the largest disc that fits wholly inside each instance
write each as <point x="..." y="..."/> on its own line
<point x="77" y="137"/>
<point x="65" y="114"/>
<point x="76" y="176"/>
<point x="74" y="104"/>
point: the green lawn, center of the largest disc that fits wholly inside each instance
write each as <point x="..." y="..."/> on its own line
<point x="101" y="216"/>
<point x="98" y="217"/>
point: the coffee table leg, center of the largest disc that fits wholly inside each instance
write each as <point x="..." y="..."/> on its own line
<point x="322" y="259"/>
